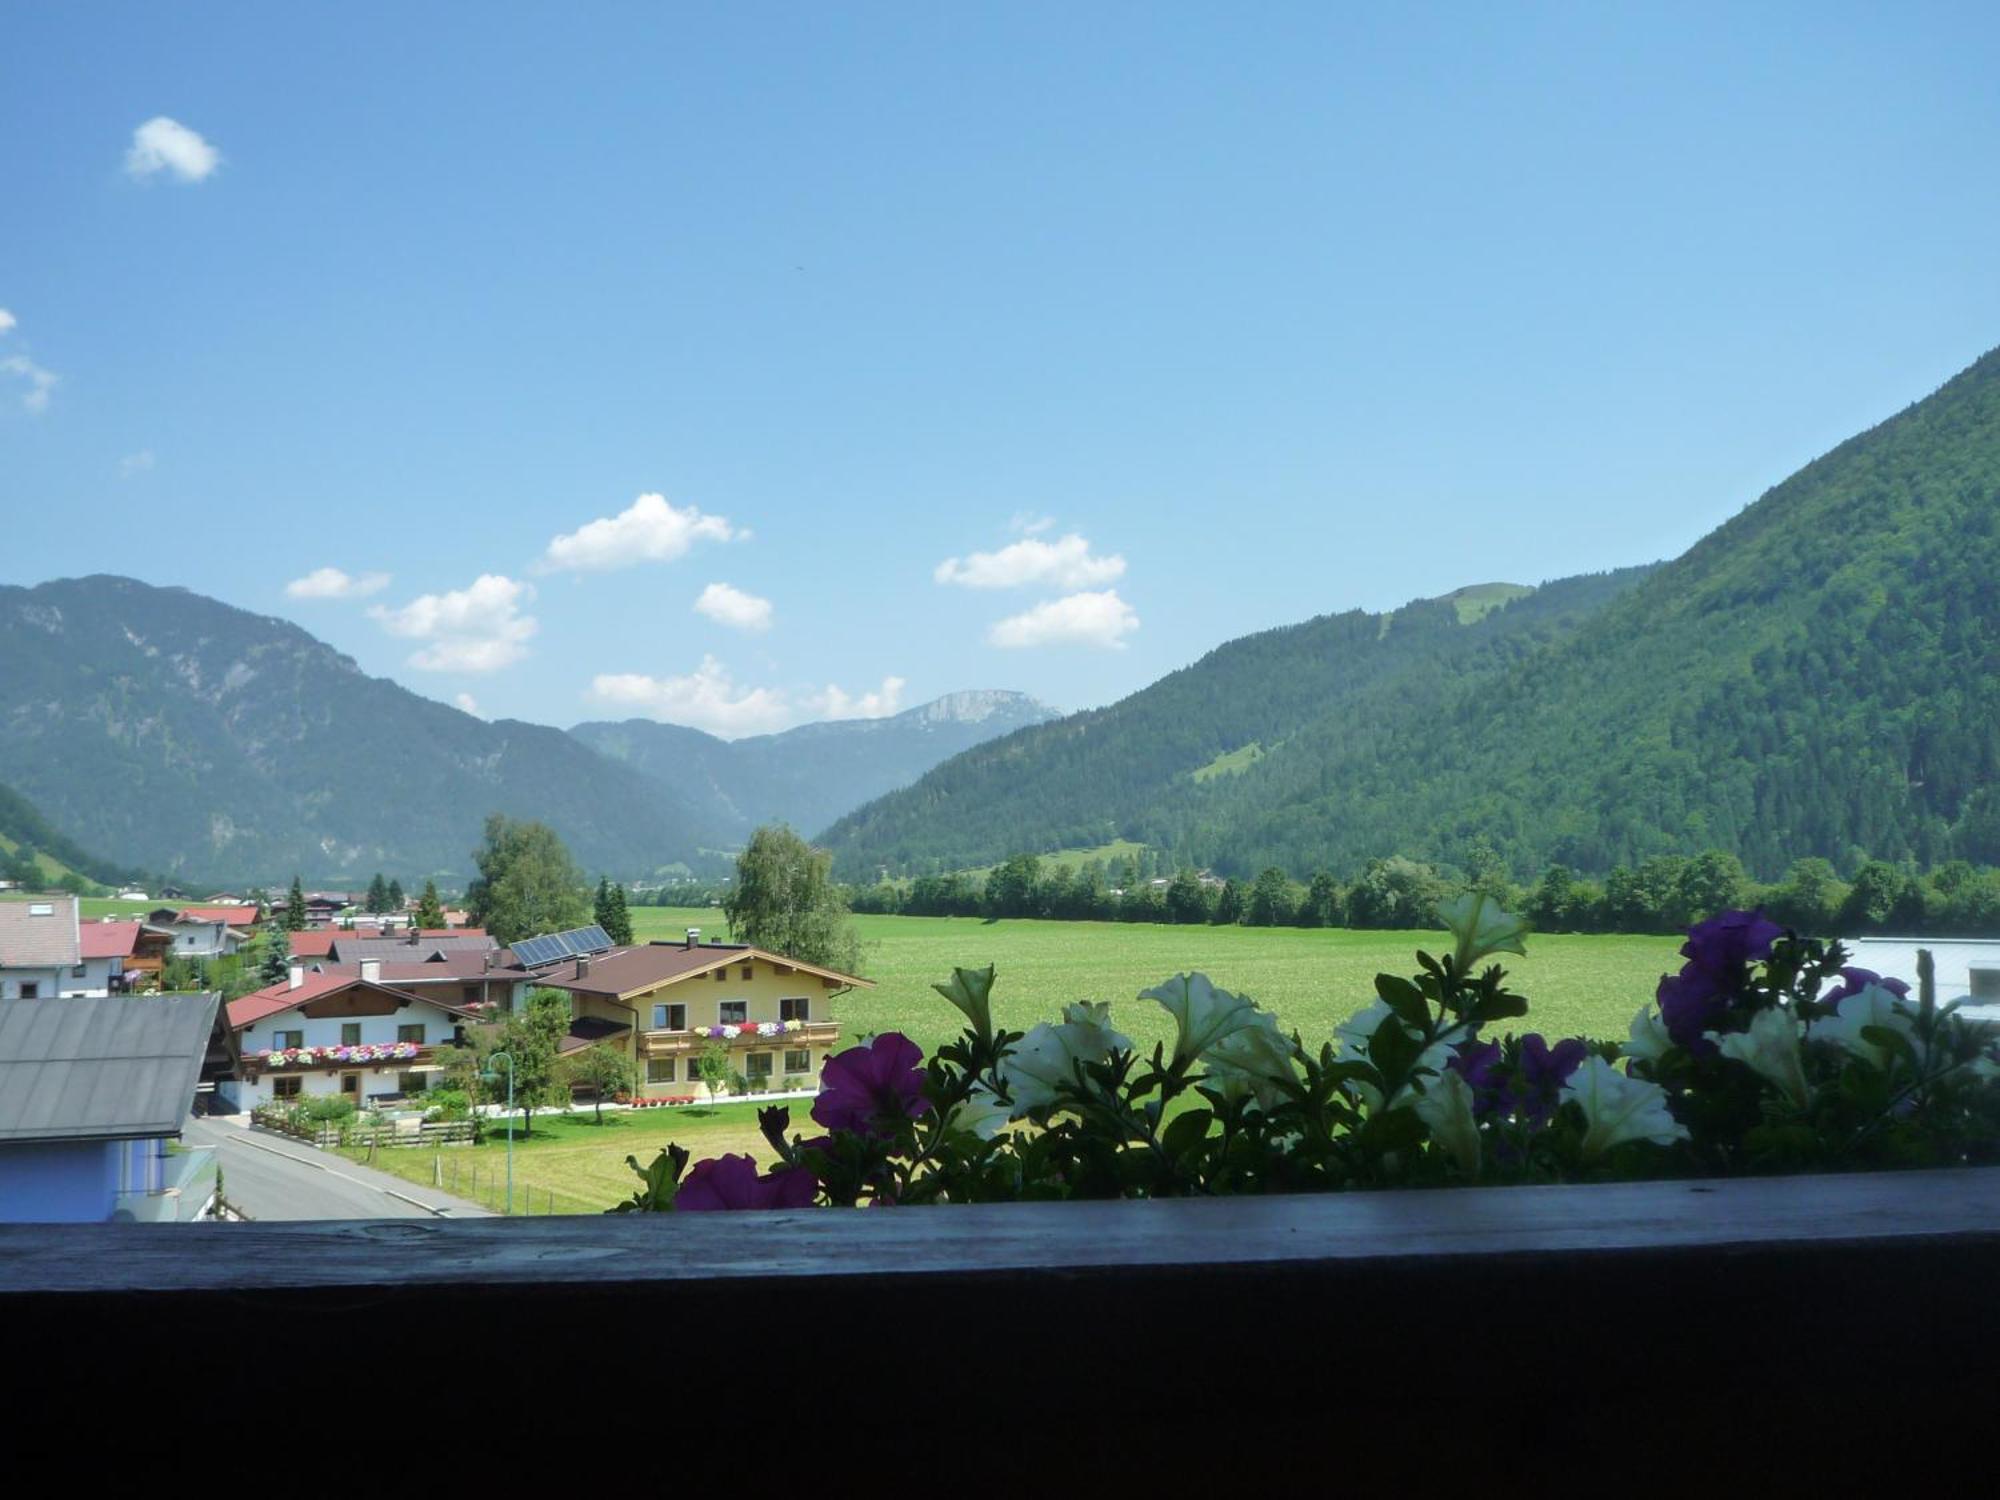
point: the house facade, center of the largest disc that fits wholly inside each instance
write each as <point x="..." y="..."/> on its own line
<point x="199" y="934"/>
<point x="343" y="1034"/>
<point x="42" y="952"/>
<point x="1966" y="969"/>
<point x="662" y="1004"/>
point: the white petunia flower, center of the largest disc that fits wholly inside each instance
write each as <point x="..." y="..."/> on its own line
<point x="971" y="990"/>
<point x="1203" y="1015"/>
<point x="1252" y="1061"/>
<point x="1482" y="928"/>
<point x="1045" y="1059"/>
<point x="1873" y="1006"/>
<point x="1618" y="1108"/>
<point x="1648" y="1039"/>
<point x="981" y="1113"/>
<point x="1357" y="1035"/>
<point x="1770" y="1049"/>
<point x="1446" y="1106"/>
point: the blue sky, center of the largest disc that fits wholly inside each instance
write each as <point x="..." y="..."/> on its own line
<point x="1041" y="347"/>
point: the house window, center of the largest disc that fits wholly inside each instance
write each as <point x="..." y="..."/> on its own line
<point x="758" y="1065"/>
<point x="735" y="1012"/>
<point x="287" y="1088"/>
<point x="748" y="970"/>
<point x="410" y="1083"/>
<point x="721" y="975"/>
<point x="30" y="990"/>
<point x="79" y="971"/>
<point x="799" y="1062"/>
<point x="659" y="1070"/>
<point x="670" y="1017"/>
<point x="288" y="1039"/>
<point x="411" y="1034"/>
<point x="794" y="1010"/>
<point x="1985" y="984"/>
<point x="350" y="1033"/>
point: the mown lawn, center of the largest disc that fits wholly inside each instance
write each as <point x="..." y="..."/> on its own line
<point x="1312" y="979"/>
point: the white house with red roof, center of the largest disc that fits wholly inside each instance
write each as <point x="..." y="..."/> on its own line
<point x="48" y="952"/>
<point x="205" y="931"/>
<point x="350" y="1034"/>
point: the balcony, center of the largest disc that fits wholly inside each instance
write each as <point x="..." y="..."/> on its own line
<point x="405" y="1055"/>
<point x="187" y="1187"/>
<point x="794" y="1034"/>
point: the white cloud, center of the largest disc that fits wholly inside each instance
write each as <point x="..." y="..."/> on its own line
<point x="707" y="698"/>
<point x="468" y="703"/>
<point x="734" y="608"/>
<point x="648" y="530"/>
<point x="1027" y="523"/>
<point x="330" y="583"/>
<point x="1066" y="563"/>
<point x="475" y="629"/>
<point x="1088" y="619"/>
<point x="164" y="145"/>
<point x="40" y="381"/>
<point x="7" y="320"/>
<point x="135" y="463"/>
<point x="833" y="703"/>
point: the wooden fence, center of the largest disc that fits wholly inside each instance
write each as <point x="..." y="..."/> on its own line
<point x="326" y="1133"/>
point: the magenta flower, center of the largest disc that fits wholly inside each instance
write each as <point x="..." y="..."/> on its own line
<point x="732" y="1182"/>
<point x="1854" y="981"/>
<point x="872" y="1089"/>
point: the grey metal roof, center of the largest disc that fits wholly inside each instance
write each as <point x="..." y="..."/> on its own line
<point x="402" y="951"/>
<point x="47" y="941"/>
<point x="115" y="1067"/>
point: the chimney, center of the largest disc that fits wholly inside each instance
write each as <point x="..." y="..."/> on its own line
<point x="295" y="976"/>
<point x="582" y="967"/>
<point x="488" y="956"/>
<point x="694" y="936"/>
<point x="413" y="934"/>
<point x="371" y="970"/>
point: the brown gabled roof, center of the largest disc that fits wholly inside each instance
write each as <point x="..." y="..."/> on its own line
<point x="464" y="969"/>
<point x="636" y="970"/>
<point x="276" y="999"/>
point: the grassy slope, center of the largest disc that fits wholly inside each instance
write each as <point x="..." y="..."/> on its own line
<point x="1313" y="980"/>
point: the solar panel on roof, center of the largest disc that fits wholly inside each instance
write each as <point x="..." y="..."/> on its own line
<point x="591" y="939"/>
<point x="536" y="951"/>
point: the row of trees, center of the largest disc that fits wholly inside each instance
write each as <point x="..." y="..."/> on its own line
<point x="1662" y="895"/>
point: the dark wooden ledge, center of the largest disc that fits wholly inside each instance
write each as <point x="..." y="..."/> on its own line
<point x="1579" y="1312"/>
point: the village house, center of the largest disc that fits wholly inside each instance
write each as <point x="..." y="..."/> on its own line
<point x="466" y="968"/>
<point x="134" y="955"/>
<point x="91" y="1093"/>
<point x="205" y="931"/>
<point x="348" y="1034"/>
<point x="661" y="1003"/>
<point x="43" y="953"/>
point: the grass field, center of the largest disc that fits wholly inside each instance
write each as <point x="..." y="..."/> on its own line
<point x="1313" y="980"/>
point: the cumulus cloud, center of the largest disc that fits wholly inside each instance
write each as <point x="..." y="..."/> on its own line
<point x="1027" y="523"/>
<point x="469" y="703"/>
<point x="834" y="703"/>
<point x="164" y="145"/>
<point x="650" y="529"/>
<point x="40" y="381"/>
<point x="476" y="629"/>
<point x="1085" y="619"/>
<point x="7" y="320"/>
<point x="331" y="583"/>
<point x="707" y="698"/>
<point x="734" y="608"/>
<point x="136" y="463"/>
<point x="1066" y="563"/>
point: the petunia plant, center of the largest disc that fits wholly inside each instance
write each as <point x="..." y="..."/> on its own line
<point x="1763" y="1053"/>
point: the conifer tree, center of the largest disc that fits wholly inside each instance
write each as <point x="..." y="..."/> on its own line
<point x="294" y="919"/>
<point x="430" y="911"/>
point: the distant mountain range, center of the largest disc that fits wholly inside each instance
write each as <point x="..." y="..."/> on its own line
<point x="1818" y="676"/>
<point x="163" y="730"/>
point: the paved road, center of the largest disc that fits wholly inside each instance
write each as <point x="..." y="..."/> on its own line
<point x="270" y="1177"/>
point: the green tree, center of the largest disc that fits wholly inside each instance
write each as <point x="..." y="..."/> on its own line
<point x="1880" y="896"/>
<point x="378" y="895"/>
<point x="530" y="1037"/>
<point x="1322" y="906"/>
<point x="1395" y="893"/>
<point x="784" y="900"/>
<point x="527" y="883"/>
<point x="274" y="965"/>
<point x="1229" y="905"/>
<point x="1271" y="901"/>
<point x="1012" y="886"/>
<point x="395" y="896"/>
<point x="1711" y="883"/>
<point x="619" y="928"/>
<point x="294" y="918"/>
<point x="430" y="910"/>
<point x="602" y="1069"/>
<point x="1187" y="898"/>
<point x="1810" y="898"/>
<point x="713" y="1066"/>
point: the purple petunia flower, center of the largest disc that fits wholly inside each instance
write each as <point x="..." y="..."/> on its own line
<point x="1543" y="1072"/>
<point x="732" y="1182"/>
<point x="1478" y="1063"/>
<point x="1727" y="944"/>
<point x="871" y="1089"/>
<point x="1690" y="1002"/>
<point x="1854" y="981"/>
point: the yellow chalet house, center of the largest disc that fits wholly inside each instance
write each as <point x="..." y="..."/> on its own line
<point x="661" y="1003"/>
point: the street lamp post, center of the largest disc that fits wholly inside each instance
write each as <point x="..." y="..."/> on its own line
<point x="490" y="1076"/>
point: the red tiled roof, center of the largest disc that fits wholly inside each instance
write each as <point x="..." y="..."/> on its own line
<point x="108" y="939"/>
<point x="235" y="916"/>
<point x="281" y="997"/>
<point x="451" y="932"/>
<point x="313" y="944"/>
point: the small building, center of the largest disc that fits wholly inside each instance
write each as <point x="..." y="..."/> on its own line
<point x="1966" y="969"/>
<point x="662" y="1003"/>
<point x="199" y="932"/>
<point x="42" y="953"/>
<point x="351" y="1034"/>
<point x="133" y="954"/>
<point x="92" y="1091"/>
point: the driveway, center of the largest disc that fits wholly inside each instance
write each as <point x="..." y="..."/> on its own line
<point x="272" y="1177"/>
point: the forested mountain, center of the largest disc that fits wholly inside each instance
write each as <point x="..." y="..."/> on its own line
<point x="810" y="775"/>
<point x="25" y="832"/>
<point x="1819" y="676"/>
<point x="179" y="734"/>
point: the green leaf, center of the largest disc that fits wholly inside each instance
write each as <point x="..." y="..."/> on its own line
<point x="1404" y="998"/>
<point x="1187" y="1132"/>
